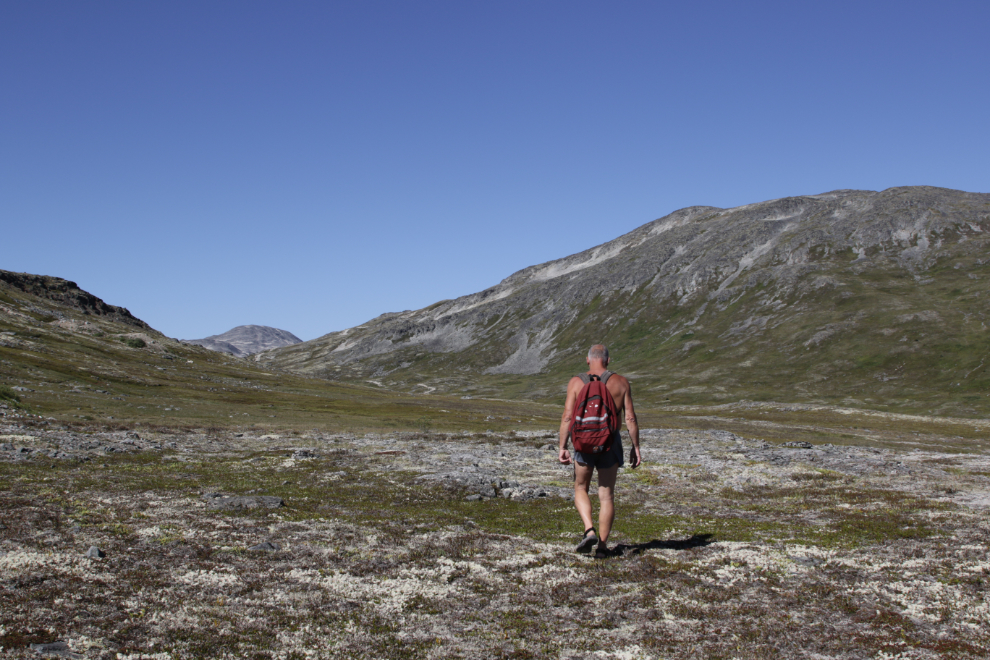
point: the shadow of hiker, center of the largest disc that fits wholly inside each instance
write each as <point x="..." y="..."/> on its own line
<point x="696" y="541"/>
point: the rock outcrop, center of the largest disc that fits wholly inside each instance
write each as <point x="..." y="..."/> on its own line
<point x="64" y="292"/>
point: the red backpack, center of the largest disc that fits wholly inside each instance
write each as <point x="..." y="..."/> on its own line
<point x="595" y="421"/>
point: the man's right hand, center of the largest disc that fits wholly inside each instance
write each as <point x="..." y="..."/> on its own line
<point x="635" y="458"/>
<point x="564" y="457"/>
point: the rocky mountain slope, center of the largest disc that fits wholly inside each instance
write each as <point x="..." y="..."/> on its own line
<point x="247" y="340"/>
<point x="862" y="298"/>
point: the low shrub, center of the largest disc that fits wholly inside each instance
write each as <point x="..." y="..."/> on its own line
<point x="8" y="394"/>
<point x="135" y="342"/>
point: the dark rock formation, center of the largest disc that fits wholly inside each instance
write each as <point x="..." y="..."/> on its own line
<point x="68" y="294"/>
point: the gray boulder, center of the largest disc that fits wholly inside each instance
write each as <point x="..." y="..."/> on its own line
<point x="239" y="502"/>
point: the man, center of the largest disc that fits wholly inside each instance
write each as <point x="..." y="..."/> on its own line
<point x="607" y="463"/>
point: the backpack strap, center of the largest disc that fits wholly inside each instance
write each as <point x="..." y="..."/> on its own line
<point x="586" y="378"/>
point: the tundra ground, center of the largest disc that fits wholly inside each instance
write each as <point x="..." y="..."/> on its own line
<point x="727" y="547"/>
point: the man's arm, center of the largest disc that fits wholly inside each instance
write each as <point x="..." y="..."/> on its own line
<point x="563" y="455"/>
<point x="633" y="427"/>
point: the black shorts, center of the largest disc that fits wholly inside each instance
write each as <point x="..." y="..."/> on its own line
<point x="603" y="460"/>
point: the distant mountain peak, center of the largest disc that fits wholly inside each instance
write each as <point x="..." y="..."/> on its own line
<point x="247" y="340"/>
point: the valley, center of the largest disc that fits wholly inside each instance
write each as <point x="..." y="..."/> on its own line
<point x="816" y="480"/>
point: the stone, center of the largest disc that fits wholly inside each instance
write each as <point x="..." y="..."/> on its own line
<point x="54" y="650"/>
<point x="806" y="561"/>
<point x="264" y="547"/>
<point x="472" y="498"/>
<point x="219" y="501"/>
<point x="798" y="444"/>
<point x="95" y="553"/>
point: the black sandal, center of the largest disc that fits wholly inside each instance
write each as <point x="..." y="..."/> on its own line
<point x="602" y="551"/>
<point x="588" y="542"/>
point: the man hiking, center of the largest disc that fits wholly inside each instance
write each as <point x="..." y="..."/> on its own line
<point x="607" y="460"/>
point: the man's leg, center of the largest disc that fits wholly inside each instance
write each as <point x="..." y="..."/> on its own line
<point x="606" y="511"/>
<point x="582" y="479"/>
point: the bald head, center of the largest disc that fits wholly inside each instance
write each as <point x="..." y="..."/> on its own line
<point x="598" y="352"/>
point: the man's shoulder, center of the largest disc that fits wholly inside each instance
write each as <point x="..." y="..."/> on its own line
<point x="618" y="378"/>
<point x="618" y="385"/>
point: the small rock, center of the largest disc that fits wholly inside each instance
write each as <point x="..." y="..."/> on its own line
<point x="806" y="561"/>
<point x="218" y="501"/>
<point x="472" y="498"/>
<point x="95" y="553"/>
<point x="76" y="529"/>
<point x="798" y="444"/>
<point x="264" y="547"/>
<point x="303" y="453"/>
<point x="54" y="650"/>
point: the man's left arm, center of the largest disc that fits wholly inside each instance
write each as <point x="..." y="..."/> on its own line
<point x="563" y="455"/>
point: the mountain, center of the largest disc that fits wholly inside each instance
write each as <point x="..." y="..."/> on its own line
<point x="852" y="297"/>
<point x="68" y="359"/>
<point x="247" y="340"/>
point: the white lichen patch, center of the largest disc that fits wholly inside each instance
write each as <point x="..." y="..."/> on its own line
<point x="201" y="578"/>
<point x="150" y="532"/>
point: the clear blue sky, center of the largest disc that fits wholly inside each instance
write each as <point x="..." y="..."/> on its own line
<point x="312" y="165"/>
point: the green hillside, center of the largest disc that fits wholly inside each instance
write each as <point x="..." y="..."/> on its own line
<point x="66" y="354"/>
